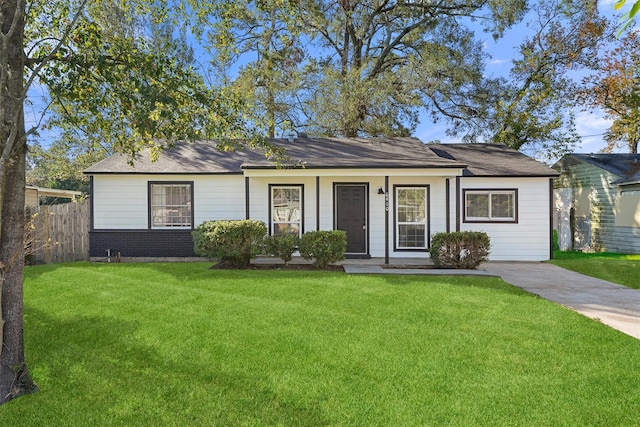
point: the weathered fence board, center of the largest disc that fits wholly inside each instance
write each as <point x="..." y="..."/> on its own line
<point x="59" y="233"/>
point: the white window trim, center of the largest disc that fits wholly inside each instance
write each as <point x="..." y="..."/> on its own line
<point x="398" y="223"/>
<point x="273" y="221"/>
<point x="490" y="193"/>
<point x="182" y="226"/>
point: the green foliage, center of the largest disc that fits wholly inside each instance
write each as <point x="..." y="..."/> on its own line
<point x="323" y="246"/>
<point x="270" y="28"/>
<point x="464" y="249"/>
<point x="628" y="17"/>
<point x="427" y="57"/>
<point x="121" y="80"/>
<point x="556" y="246"/>
<point x="234" y="241"/>
<point x="614" y="90"/>
<point x="61" y="164"/>
<point x="533" y="110"/>
<point x="375" y="66"/>
<point x="282" y="246"/>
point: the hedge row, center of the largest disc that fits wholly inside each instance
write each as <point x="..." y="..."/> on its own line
<point x="239" y="241"/>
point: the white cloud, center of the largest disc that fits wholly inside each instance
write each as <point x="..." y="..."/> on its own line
<point x="591" y="126"/>
<point x="499" y="61"/>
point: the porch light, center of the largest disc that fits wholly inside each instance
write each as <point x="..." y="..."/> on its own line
<point x="381" y="190"/>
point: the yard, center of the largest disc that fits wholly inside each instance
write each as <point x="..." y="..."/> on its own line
<point x="180" y="344"/>
<point x="617" y="268"/>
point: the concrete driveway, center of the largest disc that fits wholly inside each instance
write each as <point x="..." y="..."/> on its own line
<point x="614" y="305"/>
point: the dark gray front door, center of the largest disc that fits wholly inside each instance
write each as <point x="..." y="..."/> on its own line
<point x="351" y="215"/>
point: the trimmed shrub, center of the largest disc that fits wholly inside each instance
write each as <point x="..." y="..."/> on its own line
<point x="234" y="241"/>
<point x="323" y="246"/>
<point x="464" y="249"/>
<point x="282" y="246"/>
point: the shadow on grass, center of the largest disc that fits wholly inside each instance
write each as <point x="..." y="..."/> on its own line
<point x="201" y="270"/>
<point x="98" y="369"/>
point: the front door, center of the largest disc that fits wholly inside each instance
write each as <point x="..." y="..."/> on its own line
<point x="351" y="215"/>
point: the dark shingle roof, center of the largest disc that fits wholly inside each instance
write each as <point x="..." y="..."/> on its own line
<point x="319" y="153"/>
<point x="492" y="160"/>
<point x="359" y="153"/>
<point x="624" y="165"/>
<point x="191" y="158"/>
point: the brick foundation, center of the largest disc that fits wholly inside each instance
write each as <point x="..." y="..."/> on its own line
<point x="142" y="243"/>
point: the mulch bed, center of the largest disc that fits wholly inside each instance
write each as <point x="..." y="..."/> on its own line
<point x="224" y="265"/>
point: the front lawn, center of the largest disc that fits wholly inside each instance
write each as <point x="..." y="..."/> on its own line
<point x="180" y="344"/>
<point x="617" y="268"/>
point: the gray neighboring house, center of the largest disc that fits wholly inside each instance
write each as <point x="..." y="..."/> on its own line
<point x="597" y="202"/>
<point x="390" y="195"/>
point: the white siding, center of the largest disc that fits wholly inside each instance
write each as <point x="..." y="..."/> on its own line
<point x="528" y="239"/>
<point x="218" y="197"/>
<point x="120" y="202"/>
<point x="259" y="191"/>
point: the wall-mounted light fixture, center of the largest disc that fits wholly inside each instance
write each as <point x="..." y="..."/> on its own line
<point x="380" y="190"/>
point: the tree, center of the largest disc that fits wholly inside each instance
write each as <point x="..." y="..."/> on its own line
<point x="365" y="68"/>
<point x="106" y="81"/>
<point x="267" y="31"/>
<point x="532" y="110"/>
<point x="61" y="164"/>
<point x="123" y="92"/>
<point x="614" y="88"/>
<point x="14" y="375"/>
<point x="369" y="66"/>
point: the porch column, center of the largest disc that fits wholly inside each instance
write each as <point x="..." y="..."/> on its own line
<point x="317" y="203"/>
<point x="457" y="203"/>
<point x="386" y="220"/>
<point x="447" y="204"/>
<point x="246" y="197"/>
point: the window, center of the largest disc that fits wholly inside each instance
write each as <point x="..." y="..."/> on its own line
<point x="490" y="205"/>
<point x="411" y="217"/>
<point x="286" y="210"/>
<point x="171" y="205"/>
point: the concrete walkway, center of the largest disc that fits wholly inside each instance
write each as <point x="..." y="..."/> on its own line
<point x="614" y="305"/>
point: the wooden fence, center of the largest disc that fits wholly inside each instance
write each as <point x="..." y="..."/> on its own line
<point x="58" y="233"/>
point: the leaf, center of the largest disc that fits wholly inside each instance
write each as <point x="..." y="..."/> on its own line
<point x="634" y="10"/>
<point x="619" y="4"/>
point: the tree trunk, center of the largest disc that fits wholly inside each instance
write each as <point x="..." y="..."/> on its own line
<point x="14" y="375"/>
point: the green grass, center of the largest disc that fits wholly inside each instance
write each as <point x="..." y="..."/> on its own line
<point x="179" y="344"/>
<point x="616" y="268"/>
